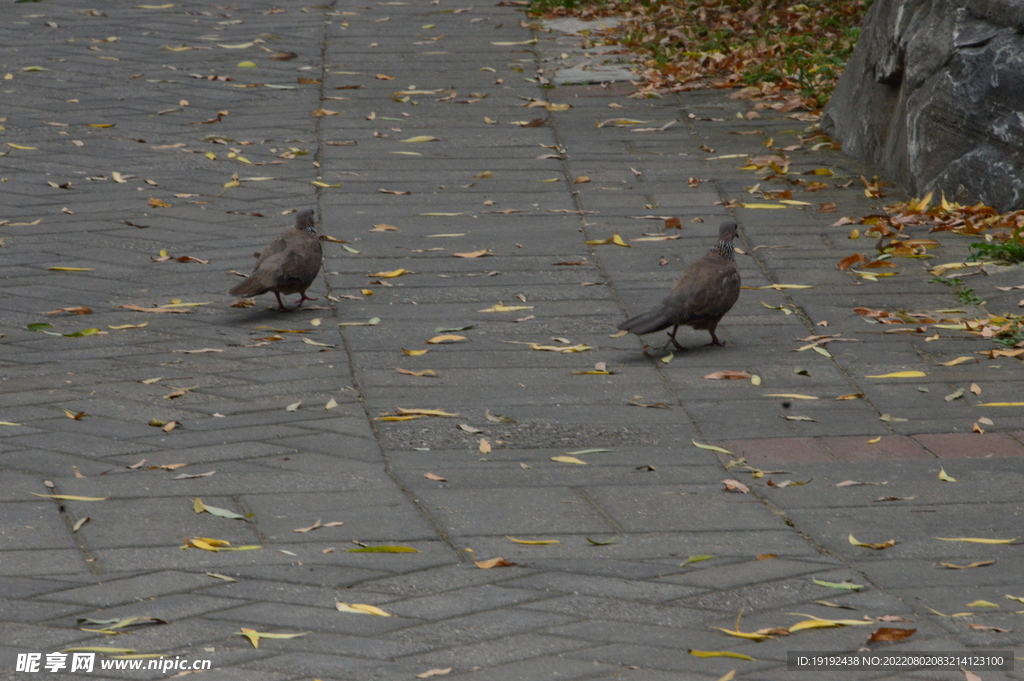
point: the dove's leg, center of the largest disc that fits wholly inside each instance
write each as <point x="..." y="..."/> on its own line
<point x="672" y="337"/>
<point x="714" y="338"/>
<point x="304" y="297"/>
<point x="280" y="305"/>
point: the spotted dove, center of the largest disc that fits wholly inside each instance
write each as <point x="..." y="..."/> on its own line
<point x="706" y="291"/>
<point x="289" y="264"/>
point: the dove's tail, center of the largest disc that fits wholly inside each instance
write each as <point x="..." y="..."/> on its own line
<point x="655" y="320"/>
<point x="250" y="287"/>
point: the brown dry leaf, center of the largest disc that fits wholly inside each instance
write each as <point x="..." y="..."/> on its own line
<point x="582" y="179"/>
<point x="409" y="372"/>
<point x="81" y="309"/>
<point x="439" y="671"/>
<point x="890" y="634"/>
<point x="766" y="556"/>
<point x="493" y="562"/>
<point x="985" y="627"/>
<point x="435" y="477"/>
<point x="157" y="203"/>
<point x="850" y="261"/>
<point x="414" y="353"/>
<point x="735" y="486"/>
<point x="310" y="528"/>
<point x="170" y="426"/>
<point x="729" y="375"/>
<point x="485" y="446"/>
<point x="975" y="564"/>
<point x="385" y="228"/>
<point x="73" y="415"/>
<point x="975" y="388"/>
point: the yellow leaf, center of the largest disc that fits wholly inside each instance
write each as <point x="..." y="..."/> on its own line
<point x="255" y="636"/>
<point x="67" y="497"/>
<point x="791" y="202"/>
<point x="711" y="448"/>
<point x="743" y="634"/>
<point x="883" y="545"/>
<point x="415" y="353"/>
<point x="728" y="676"/>
<point x="779" y="287"/>
<point x="473" y="254"/>
<point x="976" y="540"/>
<point x="18" y="146"/>
<point x="167" y="6"/>
<point x="792" y="396"/>
<point x="70" y="269"/>
<point x="719" y="653"/>
<point x="875" y="441"/>
<point x="101" y="125"/>
<point x="958" y="360"/>
<point x="157" y="203"/>
<point x="761" y="205"/>
<point x="617" y="240"/>
<point x="614" y="239"/>
<point x="423" y="412"/>
<point x="901" y="374"/>
<point x="817" y="623"/>
<point x="569" y="459"/>
<point x="944" y="476"/>
<point x="1001" y="404"/>
<point x="421" y="138"/>
<point x="389" y="275"/>
<point x="396" y="418"/>
<point x="325" y="185"/>
<point x="444" y="338"/>
<point x="982" y="604"/>
<point x="534" y="542"/>
<point x="507" y="308"/>
<point x="361" y="609"/>
<point x="246" y="65"/>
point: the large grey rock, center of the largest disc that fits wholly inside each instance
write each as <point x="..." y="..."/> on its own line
<point x="934" y="94"/>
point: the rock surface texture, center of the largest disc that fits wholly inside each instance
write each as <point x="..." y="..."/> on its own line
<point x="934" y="94"/>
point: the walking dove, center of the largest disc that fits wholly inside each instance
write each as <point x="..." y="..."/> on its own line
<point x="289" y="264"/>
<point x="706" y="291"/>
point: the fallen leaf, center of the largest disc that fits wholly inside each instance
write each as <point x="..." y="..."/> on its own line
<point x="435" y="477"/>
<point x="719" y="653"/>
<point x="985" y="627"/>
<point x="493" y="563"/>
<point x="255" y="636"/>
<point x="820" y="623"/>
<point x="421" y="138"/>
<point x="474" y="254"/>
<point x="409" y="372"/>
<point x="441" y="340"/>
<point x="954" y="362"/>
<point x="729" y="375"/>
<point x="199" y="507"/>
<point x="890" y="634"/>
<point x="976" y="564"/>
<point x="438" y="671"/>
<point x="533" y="542"/>
<point x="944" y="476"/>
<point x="484" y="446"/>
<point x="901" y="374"/>
<point x="735" y="486"/>
<point x="838" y="585"/>
<point x="569" y="459"/>
<point x="695" y="559"/>
<point x="884" y="545"/>
<point x="384" y="548"/>
<point x="361" y="609"/>
<point x="712" y="448"/>
<point x="752" y="636"/>
<point x="976" y="540"/>
<point x="66" y="497"/>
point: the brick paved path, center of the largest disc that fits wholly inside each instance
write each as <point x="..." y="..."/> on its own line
<point x="110" y="111"/>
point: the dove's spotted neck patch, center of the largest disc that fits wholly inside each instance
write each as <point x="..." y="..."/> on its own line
<point x="726" y="234"/>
